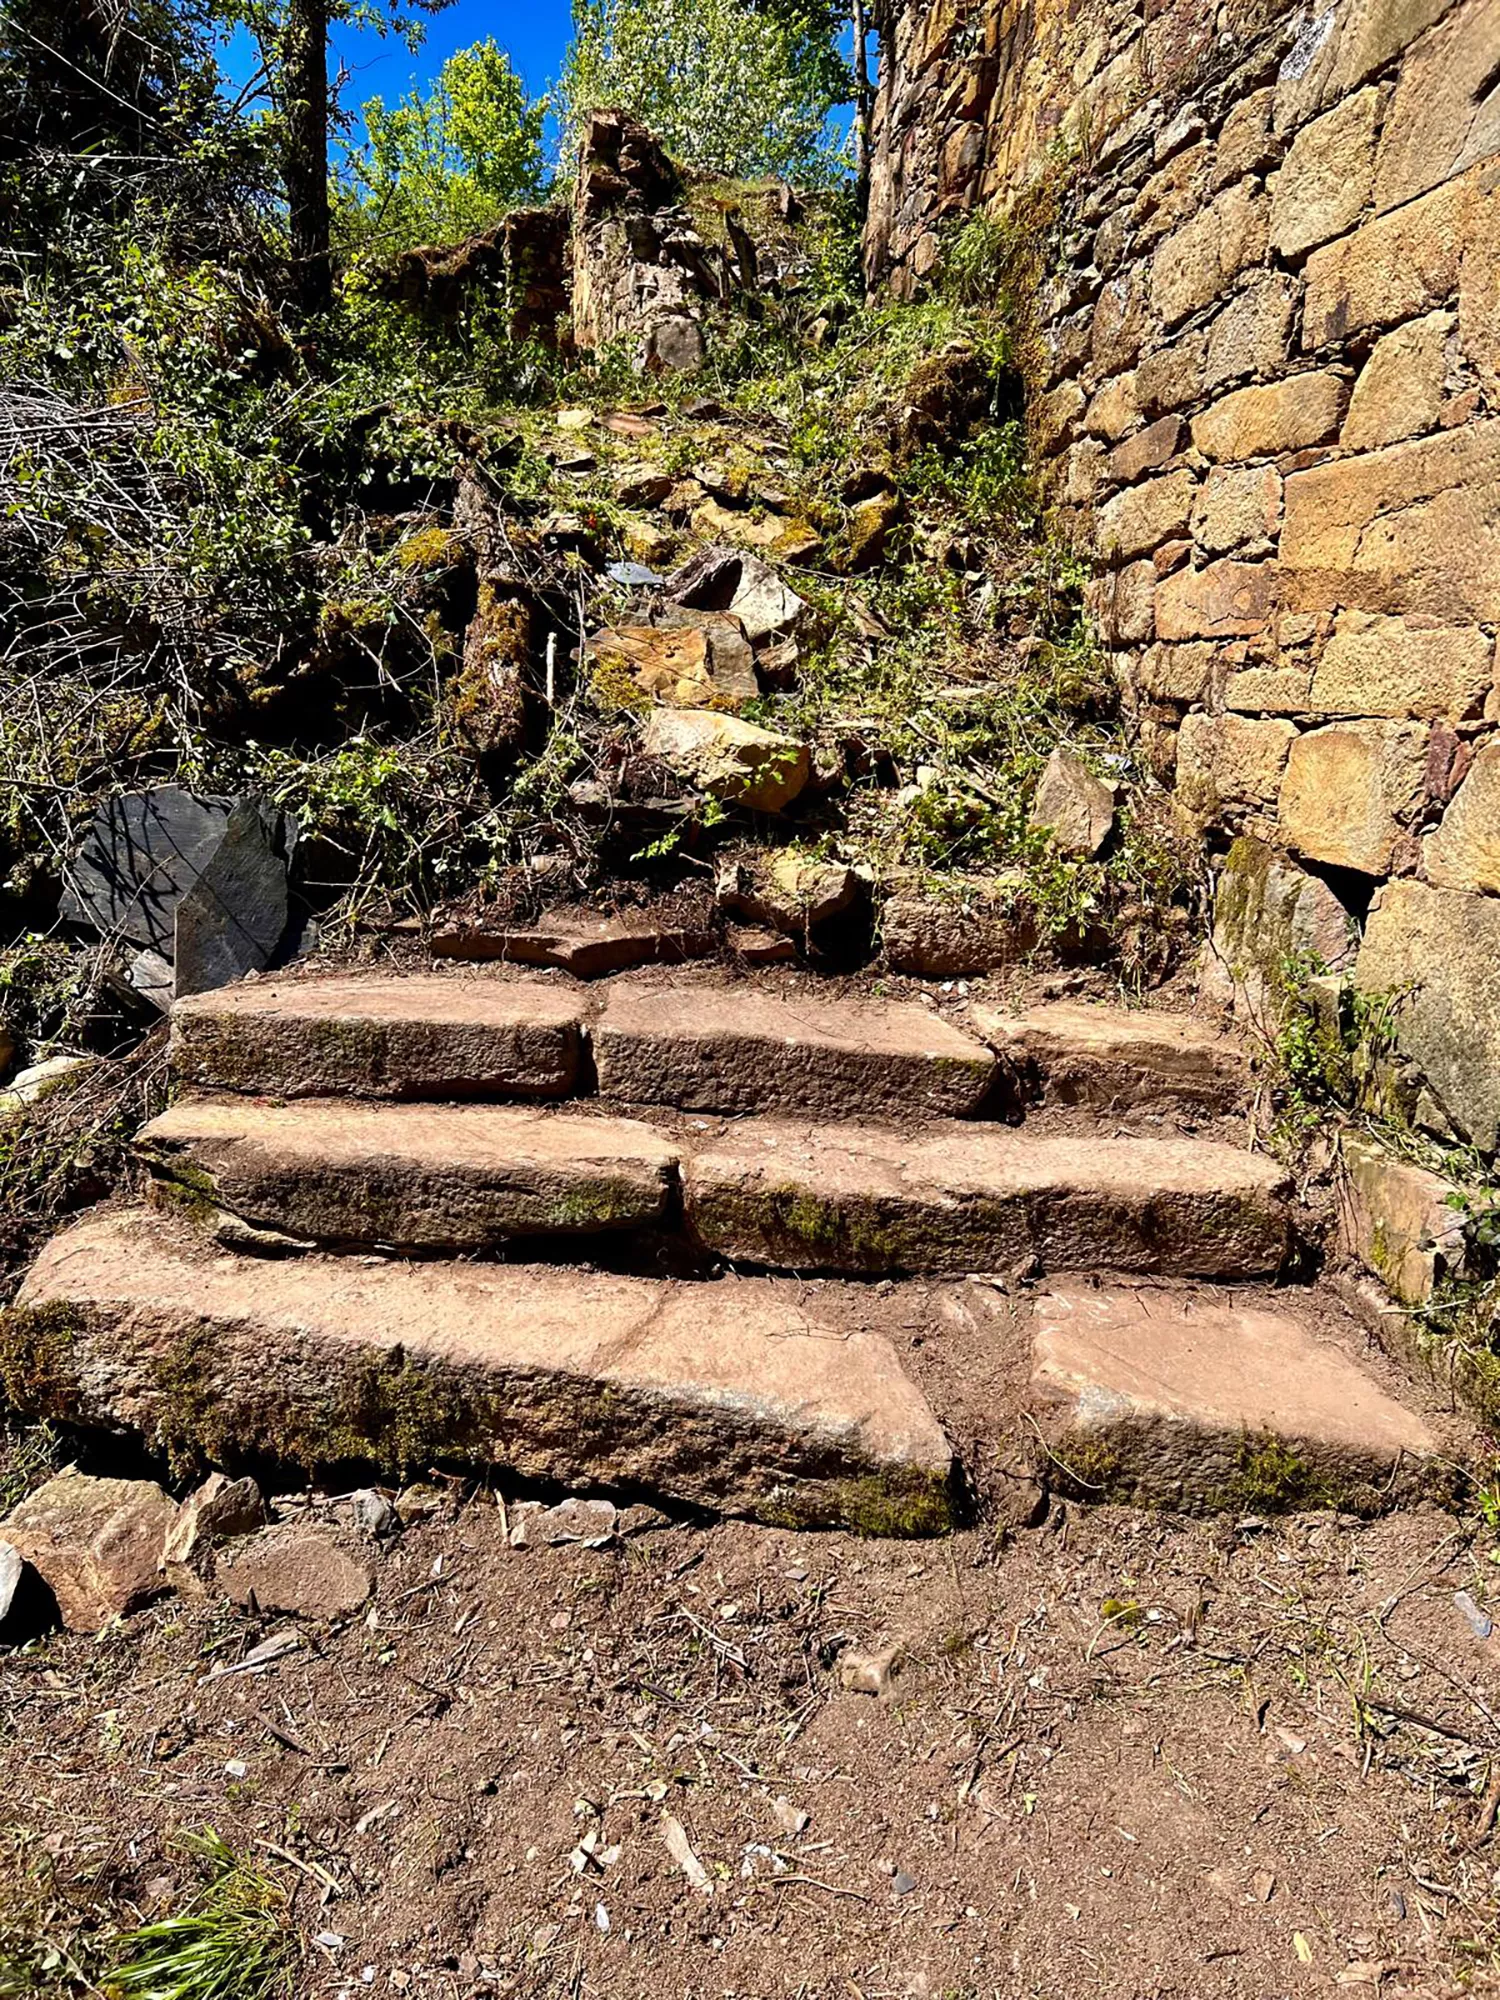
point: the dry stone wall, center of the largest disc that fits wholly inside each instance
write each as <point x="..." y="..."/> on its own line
<point x="1267" y="395"/>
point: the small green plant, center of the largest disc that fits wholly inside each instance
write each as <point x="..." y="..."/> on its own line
<point x="234" y="1941"/>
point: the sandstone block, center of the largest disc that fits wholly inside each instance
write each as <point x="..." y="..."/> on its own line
<point x="413" y="1177"/>
<point x="381" y="1037"/>
<point x="1252" y="335"/>
<point x="1414" y="528"/>
<point x="983" y="1197"/>
<point x="1227" y="600"/>
<point x="1385" y="666"/>
<point x="1119" y="322"/>
<point x="953" y="937"/>
<point x="1342" y="48"/>
<point x="1229" y="760"/>
<point x="1464" y="853"/>
<point x="1199" y="261"/>
<point x="96" y="1544"/>
<point x="1194" y="1399"/>
<point x="1124" y="603"/>
<point x="1439" y="949"/>
<point x="1445" y="115"/>
<point x="1237" y="508"/>
<point x="1402" y="387"/>
<point x="1325" y="181"/>
<point x="1280" y="417"/>
<point x="731" y="1396"/>
<point x="717" y="1049"/>
<point x="1055" y="416"/>
<point x="1247" y="140"/>
<point x="1170" y="378"/>
<point x="1396" y="1219"/>
<point x="1350" y="790"/>
<point x="1140" y="518"/>
<point x="1391" y="269"/>
<point x="1147" y="451"/>
<point x="1117" y="1059"/>
<point x="1176" y="673"/>
<point x="1113" y="409"/>
<point x="1269" y="690"/>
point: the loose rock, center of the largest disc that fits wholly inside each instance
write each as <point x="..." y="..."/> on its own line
<point x="729" y="759"/>
<point x="297" y="1571"/>
<point x="96" y="1543"/>
<point x="572" y="1520"/>
<point x="1074" y="806"/>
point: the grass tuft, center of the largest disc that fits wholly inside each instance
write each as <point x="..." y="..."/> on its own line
<point x="234" y="1941"/>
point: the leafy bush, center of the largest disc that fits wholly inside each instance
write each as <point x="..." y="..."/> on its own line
<point x="445" y="164"/>
<point x="737" y="88"/>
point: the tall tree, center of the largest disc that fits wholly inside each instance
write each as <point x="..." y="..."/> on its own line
<point x="304" y="110"/>
<point x="292" y="36"/>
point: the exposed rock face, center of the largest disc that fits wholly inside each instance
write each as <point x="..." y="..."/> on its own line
<point x="1269" y="912"/>
<point x="1265" y="387"/>
<point x="526" y="256"/>
<point x="1396" y="1218"/>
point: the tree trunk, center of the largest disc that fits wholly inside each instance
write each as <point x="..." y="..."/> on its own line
<point x="304" y="93"/>
<point x="862" y="107"/>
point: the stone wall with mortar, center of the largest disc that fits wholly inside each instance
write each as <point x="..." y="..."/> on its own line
<point x="1267" y="397"/>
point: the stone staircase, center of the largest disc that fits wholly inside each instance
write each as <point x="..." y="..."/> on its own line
<point x="700" y="1240"/>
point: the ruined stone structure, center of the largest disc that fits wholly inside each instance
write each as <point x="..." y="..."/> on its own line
<point x="1267" y="398"/>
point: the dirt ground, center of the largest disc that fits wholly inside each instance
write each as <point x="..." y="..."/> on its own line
<point x="1119" y="1754"/>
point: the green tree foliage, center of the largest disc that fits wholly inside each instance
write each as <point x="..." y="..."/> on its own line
<point x="744" y="90"/>
<point x="446" y="163"/>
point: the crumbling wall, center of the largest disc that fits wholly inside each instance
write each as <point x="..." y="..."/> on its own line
<point x="1267" y="398"/>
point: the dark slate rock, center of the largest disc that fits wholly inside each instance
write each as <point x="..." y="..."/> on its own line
<point x="232" y="918"/>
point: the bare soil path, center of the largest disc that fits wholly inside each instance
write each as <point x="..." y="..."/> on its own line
<point x="1119" y="1754"/>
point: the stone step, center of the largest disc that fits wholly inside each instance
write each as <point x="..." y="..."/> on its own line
<point x="1197" y="1398"/>
<point x="741" y="1048"/>
<point x="410" y="1177"/>
<point x="381" y="1036"/>
<point x="975" y="1197"/>
<point x="726" y="1395"/>
<point x="1116" y="1059"/>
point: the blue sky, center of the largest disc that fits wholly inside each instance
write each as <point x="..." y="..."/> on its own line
<point x="534" y="33"/>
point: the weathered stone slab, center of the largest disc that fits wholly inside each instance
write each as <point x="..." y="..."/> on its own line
<point x="726" y="1395"/>
<point x="1225" y="601"/>
<point x="1393" y="268"/>
<point x="1280" y="417"/>
<point x="1230" y="760"/>
<point x="1395" y="1217"/>
<point x="298" y="1572"/>
<point x="587" y="946"/>
<point x="720" y="1049"/>
<point x="1414" y="528"/>
<point x="1402" y="387"/>
<point x="981" y="1197"/>
<point x="1115" y="1059"/>
<point x="1268" y="912"/>
<point x="1139" y="519"/>
<point x="1439" y="949"/>
<point x="1350" y="790"/>
<point x="1445" y="115"/>
<point x="1176" y="1397"/>
<point x="738" y="762"/>
<point x="1464" y="853"/>
<point x="96" y="1543"/>
<point x="1386" y="666"/>
<point x="454" y="1177"/>
<point x="1197" y="262"/>
<point x="1325" y="181"/>
<point x="375" y="1036"/>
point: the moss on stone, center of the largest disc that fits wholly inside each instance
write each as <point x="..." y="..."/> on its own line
<point x="38" y="1375"/>
<point x="901" y="1504"/>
